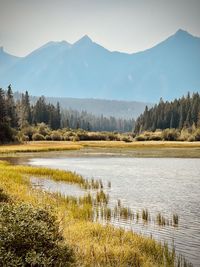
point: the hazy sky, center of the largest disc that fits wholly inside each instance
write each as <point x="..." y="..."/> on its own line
<point x="123" y="25"/>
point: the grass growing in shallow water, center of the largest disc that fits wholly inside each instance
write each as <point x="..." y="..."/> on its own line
<point x="93" y="243"/>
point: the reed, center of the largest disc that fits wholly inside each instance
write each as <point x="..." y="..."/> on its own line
<point x="57" y="175"/>
<point x="109" y="184"/>
<point x="93" y="243"/>
<point x="145" y="215"/>
<point x="160" y="219"/>
<point x="175" y="219"/>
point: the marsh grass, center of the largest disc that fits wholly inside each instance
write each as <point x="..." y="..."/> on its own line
<point x="160" y="219"/>
<point x="39" y="147"/>
<point x="93" y="243"/>
<point x="175" y="219"/>
<point x="145" y="215"/>
<point x="56" y="175"/>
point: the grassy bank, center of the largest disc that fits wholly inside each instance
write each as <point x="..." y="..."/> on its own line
<point x="93" y="244"/>
<point x="42" y="146"/>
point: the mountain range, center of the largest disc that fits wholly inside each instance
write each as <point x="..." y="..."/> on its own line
<point x="87" y="70"/>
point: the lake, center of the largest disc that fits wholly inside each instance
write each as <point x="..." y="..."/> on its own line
<point x="141" y="180"/>
<point x="166" y="185"/>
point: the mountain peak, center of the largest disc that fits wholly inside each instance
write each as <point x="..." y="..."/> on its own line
<point x="182" y="33"/>
<point x="84" y="40"/>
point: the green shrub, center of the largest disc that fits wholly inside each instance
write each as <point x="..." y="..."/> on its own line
<point x="31" y="237"/>
<point x="38" y="137"/>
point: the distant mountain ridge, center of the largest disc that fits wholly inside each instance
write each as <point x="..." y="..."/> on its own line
<point x="87" y="70"/>
<point x="97" y="107"/>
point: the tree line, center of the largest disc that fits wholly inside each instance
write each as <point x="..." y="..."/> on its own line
<point x="74" y="119"/>
<point x="15" y="115"/>
<point x="178" y="114"/>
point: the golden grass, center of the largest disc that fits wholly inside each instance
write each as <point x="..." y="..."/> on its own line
<point x="94" y="244"/>
<point x="42" y="146"/>
<point x="140" y="144"/>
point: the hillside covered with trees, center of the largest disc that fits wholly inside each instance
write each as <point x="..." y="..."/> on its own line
<point x="180" y="113"/>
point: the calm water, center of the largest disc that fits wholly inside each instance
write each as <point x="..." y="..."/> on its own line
<point x="166" y="185"/>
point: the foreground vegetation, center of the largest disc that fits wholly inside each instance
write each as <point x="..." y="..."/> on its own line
<point x="85" y="243"/>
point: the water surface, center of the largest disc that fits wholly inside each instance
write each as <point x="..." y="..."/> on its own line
<point x="166" y="185"/>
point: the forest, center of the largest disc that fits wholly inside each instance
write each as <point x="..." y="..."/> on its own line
<point x="178" y="114"/>
<point x="20" y="119"/>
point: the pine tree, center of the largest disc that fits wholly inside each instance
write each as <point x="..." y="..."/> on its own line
<point x="11" y="108"/>
<point x="2" y="106"/>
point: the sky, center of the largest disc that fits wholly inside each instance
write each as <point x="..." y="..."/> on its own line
<point x="118" y="25"/>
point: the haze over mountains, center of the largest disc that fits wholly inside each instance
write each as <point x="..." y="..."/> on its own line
<point x="87" y="70"/>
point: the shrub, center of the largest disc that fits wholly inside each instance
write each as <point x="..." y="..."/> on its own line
<point x="197" y="135"/>
<point x="48" y="138"/>
<point x="28" y="131"/>
<point x="24" y="138"/>
<point x="184" y="135"/>
<point x="38" y="137"/>
<point x="66" y="137"/>
<point x="43" y="129"/>
<point x="31" y="237"/>
<point x="191" y="138"/>
<point x="83" y="136"/>
<point x="170" y="135"/>
<point x="141" y="137"/>
<point x="3" y="197"/>
<point x="55" y="136"/>
<point x="155" y="137"/>
<point x="75" y="139"/>
<point x="126" y="139"/>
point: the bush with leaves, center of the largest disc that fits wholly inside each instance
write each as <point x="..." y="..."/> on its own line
<point x="30" y="237"/>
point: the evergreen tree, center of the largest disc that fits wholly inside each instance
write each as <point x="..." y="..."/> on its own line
<point x="177" y="114"/>
<point x="11" y="108"/>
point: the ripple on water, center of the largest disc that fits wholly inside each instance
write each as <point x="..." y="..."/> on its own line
<point x="166" y="185"/>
